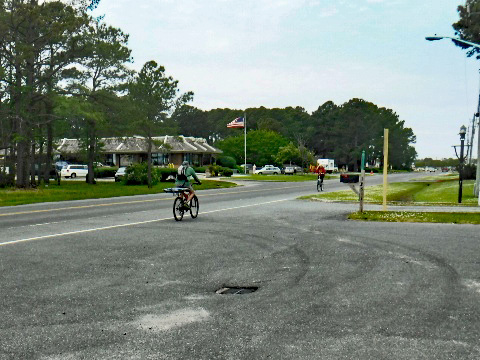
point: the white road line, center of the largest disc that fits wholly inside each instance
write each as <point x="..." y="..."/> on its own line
<point x="142" y="201"/>
<point x="129" y="224"/>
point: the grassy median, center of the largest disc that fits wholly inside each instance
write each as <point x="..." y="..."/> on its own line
<point x="79" y="190"/>
<point x="412" y="216"/>
<point x="408" y="193"/>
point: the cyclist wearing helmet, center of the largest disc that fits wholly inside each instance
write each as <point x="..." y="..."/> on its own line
<point x="184" y="172"/>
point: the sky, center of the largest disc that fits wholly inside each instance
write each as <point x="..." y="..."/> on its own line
<point x="279" y="53"/>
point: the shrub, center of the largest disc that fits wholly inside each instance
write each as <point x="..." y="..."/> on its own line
<point x="226" y="172"/>
<point x="199" y="169"/>
<point x="165" y="173"/>
<point x="7" y="180"/>
<point x="103" y="172"/>
<point x="214" y="170"/>
<point x="469" y="172"/>
<point x="227" y="161"/>
<point x="375" y="170"/>
<point x="136" y="174"/>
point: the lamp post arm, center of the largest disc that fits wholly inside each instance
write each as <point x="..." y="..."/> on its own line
<point x="434" y="38"/>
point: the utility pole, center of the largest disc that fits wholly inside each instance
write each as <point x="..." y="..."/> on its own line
<point x="463" y="130"/>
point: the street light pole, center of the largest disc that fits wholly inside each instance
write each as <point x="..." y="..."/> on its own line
<point x="477" y="180"/>
<point x="463" y="131"/>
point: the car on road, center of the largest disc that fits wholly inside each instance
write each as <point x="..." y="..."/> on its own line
<point x="267" y="170"/>
<point x="120" y="174"/>
<point x="74" y="170"/>
<point x="293" y="169"/>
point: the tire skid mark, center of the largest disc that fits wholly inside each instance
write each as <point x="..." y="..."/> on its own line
<point x="451" y="287"/>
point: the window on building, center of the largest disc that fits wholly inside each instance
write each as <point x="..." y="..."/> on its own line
<point x="188" y="157"/>
<point x="160" y="159"/>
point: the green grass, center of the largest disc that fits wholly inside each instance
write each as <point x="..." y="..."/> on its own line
<point x="443" y="177"/>
<point x="78" y="190"/>
<point x="408" y="193"/>
<point x="411" y="216"/>
<point x="283" y="178"/>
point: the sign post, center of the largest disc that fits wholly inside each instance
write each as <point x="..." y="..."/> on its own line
<point x="362" y="182"/>
<point x="385" y="167"/>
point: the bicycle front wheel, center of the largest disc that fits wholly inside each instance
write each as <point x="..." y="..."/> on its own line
<point x="194" y="205"/>
<point x="319" y="185"/>
<point x="178" y="209"/>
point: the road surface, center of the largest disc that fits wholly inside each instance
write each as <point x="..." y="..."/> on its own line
<point x="120" y="279"/>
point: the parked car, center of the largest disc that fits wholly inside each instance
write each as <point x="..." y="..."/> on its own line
<point x="74" y="170"/>
<point x="60" y="164"/>
<point x="268" y="169"/>
<point x="293" y="169"/>
<point x="120" y="174"/>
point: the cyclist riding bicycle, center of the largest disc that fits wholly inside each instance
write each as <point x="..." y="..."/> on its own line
<point x="320" y="170"/>
<point x="182" y="180"/>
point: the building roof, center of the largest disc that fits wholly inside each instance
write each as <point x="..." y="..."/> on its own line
<point x="138" y="144"/>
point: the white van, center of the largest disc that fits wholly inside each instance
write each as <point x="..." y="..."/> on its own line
<point x="73" y="171"/>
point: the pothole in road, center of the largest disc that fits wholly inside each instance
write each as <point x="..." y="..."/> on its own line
<point x="236" y="290"/>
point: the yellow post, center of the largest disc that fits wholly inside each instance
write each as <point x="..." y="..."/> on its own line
<point x="385" y="167"/>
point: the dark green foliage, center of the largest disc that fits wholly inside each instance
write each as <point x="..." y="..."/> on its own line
<point x="7" y="180"/>
<point x="342" y="132"/>
<point x="214" y="170"/>
<point x="136" y="174"/>
<point x="375" y="170"/>
<point x="199" y="169"/>
<point x="166" y="174"/>
<point x="469" y="172"/>
<point x="436" y="163"/>
<point x="262" y="146"/>
<point x="227" y="161"/>
<point x="104" y="172"/>
<point x="226" y="172"/>
<point x="468" y="26"/>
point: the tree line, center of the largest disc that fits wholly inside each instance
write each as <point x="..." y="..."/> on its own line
<point x="339" y="132"/>
<point x="65" y="73"/>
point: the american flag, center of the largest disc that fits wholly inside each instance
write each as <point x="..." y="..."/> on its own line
<point x="237" y="123"/>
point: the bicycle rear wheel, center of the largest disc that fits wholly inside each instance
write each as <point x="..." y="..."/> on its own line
<point x="194" y="205"/>
<point x="178" y="208"/>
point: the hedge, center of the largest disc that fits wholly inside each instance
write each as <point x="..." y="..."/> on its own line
<point x="104" y="172"/>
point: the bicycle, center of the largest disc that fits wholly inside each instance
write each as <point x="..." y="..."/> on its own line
<point x="319" y="184"/>
<point x="179" y="208"/>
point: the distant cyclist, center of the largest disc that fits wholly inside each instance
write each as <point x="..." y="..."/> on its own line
<point x="320" y="170"/>
<point x="184" y="172"/>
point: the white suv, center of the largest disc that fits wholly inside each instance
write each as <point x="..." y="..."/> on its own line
<point x="268" y="169"/>
<point x="73" y="171"/>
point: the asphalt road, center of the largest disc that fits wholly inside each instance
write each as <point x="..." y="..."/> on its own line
<point x="120" y="279"/>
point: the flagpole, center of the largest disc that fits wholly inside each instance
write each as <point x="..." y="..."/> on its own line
<point x="245" y="129"/>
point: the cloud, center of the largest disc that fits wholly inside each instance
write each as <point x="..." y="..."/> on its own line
<point x="330" y="11"/>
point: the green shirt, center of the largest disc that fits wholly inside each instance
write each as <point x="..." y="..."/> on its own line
<point x="189" y="172"/>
